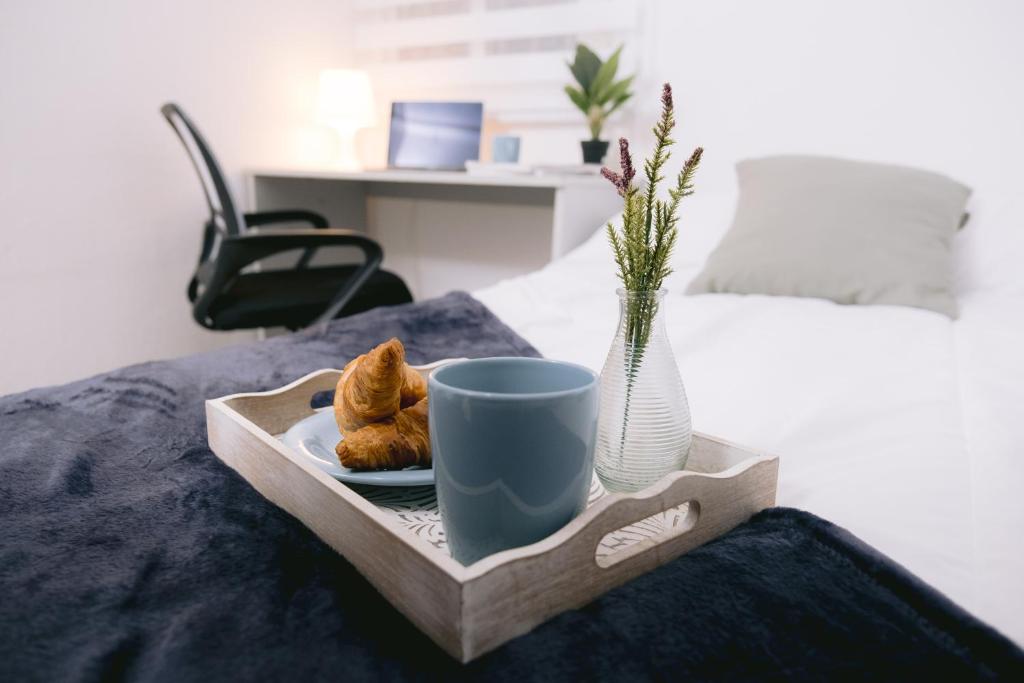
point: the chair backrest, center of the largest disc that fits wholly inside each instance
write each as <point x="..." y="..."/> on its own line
<point x="223" y="213"/>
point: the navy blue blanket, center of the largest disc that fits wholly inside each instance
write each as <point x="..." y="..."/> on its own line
<point x="129" y="551"/>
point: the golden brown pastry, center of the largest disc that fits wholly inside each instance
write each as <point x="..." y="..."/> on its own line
<point x="397" y="442"/>
<point x="414" y="389"/>
<point x="381" y="409"/>
<point x="375" y="386"/>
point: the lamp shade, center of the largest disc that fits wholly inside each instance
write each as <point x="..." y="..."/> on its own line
<point x="346" y="98"/>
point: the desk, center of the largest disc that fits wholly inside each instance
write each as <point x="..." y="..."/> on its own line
<point x="444" y="230"/>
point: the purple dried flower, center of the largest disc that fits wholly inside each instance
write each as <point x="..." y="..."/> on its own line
<point x="616" y="180"/>
<point x="694" y="158"/>
<point x="621" y="182"/>
<point x="626" y="163"/>
<point x="666" y="96"/>
<point x="613" y="177"/>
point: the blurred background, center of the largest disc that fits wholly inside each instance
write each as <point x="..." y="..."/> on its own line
<point x="101" y="214"/>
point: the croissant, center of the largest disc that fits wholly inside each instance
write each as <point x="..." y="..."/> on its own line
<point x="375" y="386"/>
<point x="380" y="405"/>
<point x="397" y="442"/>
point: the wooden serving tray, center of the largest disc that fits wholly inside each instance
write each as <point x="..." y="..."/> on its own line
<point x="469" y="611"/>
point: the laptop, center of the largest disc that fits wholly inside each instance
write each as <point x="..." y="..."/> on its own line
<point x="434" y="135"/>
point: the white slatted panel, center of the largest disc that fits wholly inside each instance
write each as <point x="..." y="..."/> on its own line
<point x="508" y="53"/>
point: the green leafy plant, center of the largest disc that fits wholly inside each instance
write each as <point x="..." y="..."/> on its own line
<point x="599" y="94"/>
<point x="643" y="244"/>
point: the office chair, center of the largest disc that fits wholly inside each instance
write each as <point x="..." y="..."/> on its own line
<point x="225" y="298"/>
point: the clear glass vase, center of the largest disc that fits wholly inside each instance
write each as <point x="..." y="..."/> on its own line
<point x="643" y="429"/>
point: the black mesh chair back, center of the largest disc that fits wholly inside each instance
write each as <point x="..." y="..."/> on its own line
<point x="224" y="215"/>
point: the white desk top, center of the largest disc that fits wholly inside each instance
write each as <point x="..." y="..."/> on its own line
<point x="433" y="177"/>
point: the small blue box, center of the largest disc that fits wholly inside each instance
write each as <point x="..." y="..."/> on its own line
<point x="505" y="149"/>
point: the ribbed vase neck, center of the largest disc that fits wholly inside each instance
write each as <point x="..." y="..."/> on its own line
<point x="641" y="315"/>
<point x="651" y="295"/>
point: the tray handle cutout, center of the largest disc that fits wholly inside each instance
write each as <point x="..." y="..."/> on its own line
<point x="636" y="537"/>
<point x="715" y="503"/>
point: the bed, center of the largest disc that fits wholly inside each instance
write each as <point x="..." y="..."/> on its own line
<point x="899" y="424"/>
<point x="129" y="551"/>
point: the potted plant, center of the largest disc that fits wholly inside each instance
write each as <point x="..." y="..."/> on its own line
<point x="598" y="96"/>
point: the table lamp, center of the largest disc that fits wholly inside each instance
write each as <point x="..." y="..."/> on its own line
<point x="346" y="104"/>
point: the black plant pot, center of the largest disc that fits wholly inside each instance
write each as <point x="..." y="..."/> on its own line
<point x="594" y="151"/>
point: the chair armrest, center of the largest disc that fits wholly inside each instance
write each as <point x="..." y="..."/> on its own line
<point x="242" y="250"/>
<point x="238" y="251"/>
<point x="285" y="216"/>
<point x="288" y="216"/>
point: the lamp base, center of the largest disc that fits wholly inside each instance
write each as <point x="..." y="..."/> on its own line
<point x="346" y="158"/>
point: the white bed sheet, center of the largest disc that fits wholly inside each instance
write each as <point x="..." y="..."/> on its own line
<point x="899" y="424"/>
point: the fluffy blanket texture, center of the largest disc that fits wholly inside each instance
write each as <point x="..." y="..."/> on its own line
<point x="129" y="551"/>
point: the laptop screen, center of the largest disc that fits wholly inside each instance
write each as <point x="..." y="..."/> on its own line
<point x="434" y="135"/>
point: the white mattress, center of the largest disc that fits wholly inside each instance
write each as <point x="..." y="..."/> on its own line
<point x="899" y="424"/>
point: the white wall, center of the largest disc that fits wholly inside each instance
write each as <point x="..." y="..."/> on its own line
<point x="101" y="214"/>
<point x="930" y="83"/>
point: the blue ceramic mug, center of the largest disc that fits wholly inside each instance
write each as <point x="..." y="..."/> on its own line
<point x="512" y="441"/>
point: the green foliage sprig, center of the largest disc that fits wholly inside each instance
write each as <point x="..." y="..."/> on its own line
<point x="598" y="94"/>
<point x="643" y="245"/>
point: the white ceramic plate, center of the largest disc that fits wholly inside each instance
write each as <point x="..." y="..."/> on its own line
<point x="317" y="436"/>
